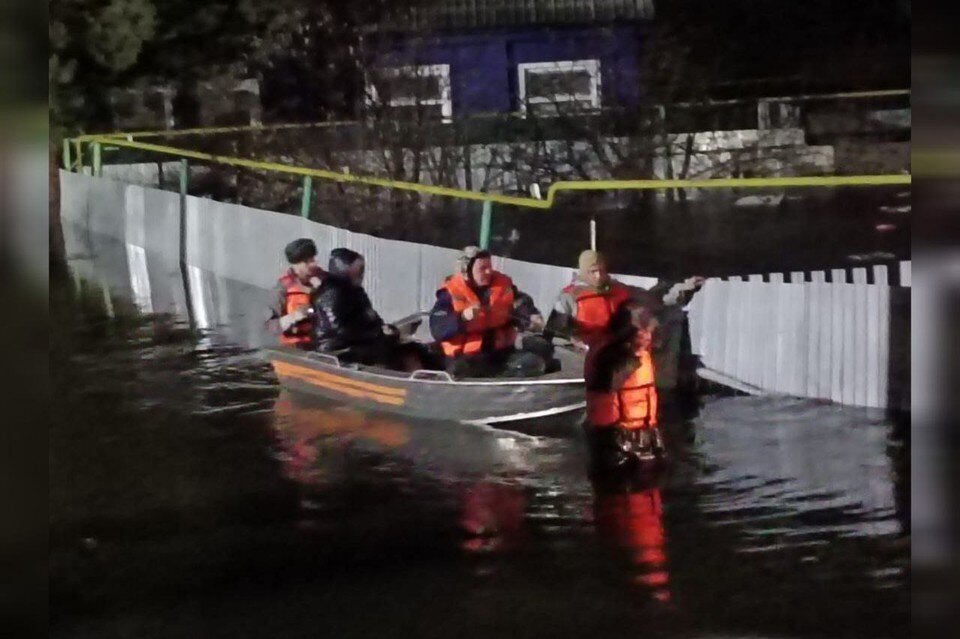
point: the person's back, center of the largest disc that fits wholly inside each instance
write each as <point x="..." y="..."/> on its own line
<point x="344" y="315"/>
<point x="622" y="401"/>
<point x="347" y="324"/>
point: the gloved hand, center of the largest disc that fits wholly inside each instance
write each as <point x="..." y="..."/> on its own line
<point x="470" y="313"/>
<point x="536" y="324"/>
<point x="389" y="329"/>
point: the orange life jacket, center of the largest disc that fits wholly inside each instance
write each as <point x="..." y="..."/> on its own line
<point x="594" y="308"/>
<point x="633" y="406"/>
<point x="493" y="319"/>
<point x="300" y="335"/>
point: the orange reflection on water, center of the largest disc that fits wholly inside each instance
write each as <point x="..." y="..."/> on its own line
<point x="632" y="519"/>
<point x="492" y="516"/>
<point x="300" y="422"/>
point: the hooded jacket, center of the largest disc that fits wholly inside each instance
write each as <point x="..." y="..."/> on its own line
<point x="344" y="315"/>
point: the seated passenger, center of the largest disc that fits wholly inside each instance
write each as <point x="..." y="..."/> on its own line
<point x="346" y="321"/>
<point x="291" y="314"/>
<point x="476" y="317"/>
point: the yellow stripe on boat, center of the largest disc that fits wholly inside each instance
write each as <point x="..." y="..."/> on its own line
<point x="345" y="385"/>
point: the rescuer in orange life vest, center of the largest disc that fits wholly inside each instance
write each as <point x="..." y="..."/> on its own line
<point x="583" y="309"/>
<point x="621" y="390"/>
<point x="291" y="314"/>
<point x="476" y="317"/>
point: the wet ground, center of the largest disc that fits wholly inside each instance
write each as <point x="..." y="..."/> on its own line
<point x="191" y="497"/>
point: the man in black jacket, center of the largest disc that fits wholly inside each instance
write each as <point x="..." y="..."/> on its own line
<point x="346" y="320"/>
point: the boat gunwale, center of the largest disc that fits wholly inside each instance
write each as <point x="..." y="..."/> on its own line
<point x="366" y="371"/>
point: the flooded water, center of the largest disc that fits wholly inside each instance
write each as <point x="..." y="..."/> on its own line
<point x="192" y="497"/>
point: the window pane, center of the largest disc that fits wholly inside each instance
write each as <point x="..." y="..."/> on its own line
<point x="554" y="109"/>
<point x="550" y="83"/>
<point x="423" y="87"/>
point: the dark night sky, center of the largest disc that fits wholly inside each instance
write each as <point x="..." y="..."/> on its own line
<point x="826" y="42"/>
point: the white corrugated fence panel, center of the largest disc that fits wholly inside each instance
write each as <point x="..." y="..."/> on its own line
<point x="816" y="339"/>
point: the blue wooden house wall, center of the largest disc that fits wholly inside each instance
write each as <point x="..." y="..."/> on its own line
<point x="483" y="65"/>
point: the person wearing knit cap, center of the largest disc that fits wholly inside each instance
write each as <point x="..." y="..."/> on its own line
<point x="590" y="261"/>
<point x="476" y="318"/>
<point x="466" y="257"/>
<point x="584" y="307"/>
<point x="290" y="314"/>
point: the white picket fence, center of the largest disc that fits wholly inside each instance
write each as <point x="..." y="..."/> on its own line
<point x="877" y="274"/>
<point x="827" y="340"/>
<point x="807" y="337"/>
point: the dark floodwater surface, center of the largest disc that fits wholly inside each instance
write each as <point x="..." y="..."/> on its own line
<point x="191" y="497"/>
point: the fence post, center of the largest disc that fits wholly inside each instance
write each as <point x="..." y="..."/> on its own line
<point x="66" y="154"/>
<point x="184" y="176"/>
<point x="184" y="181"/>
<point x="485" y="220"/>
<point x="307" y="194"/>
<point x="184" y="268"/>
<point x="97" y="162"/>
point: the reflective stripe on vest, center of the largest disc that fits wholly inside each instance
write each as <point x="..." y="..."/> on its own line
<point x="297" y="295"/>
<point x="494" y="318"/>
<point x="594" y="308"/>
<point x="633" y="406"/>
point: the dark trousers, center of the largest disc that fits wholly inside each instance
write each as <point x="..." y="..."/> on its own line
<point x="504" y="363"/>
<point x="614" y="449"/>
<point x="388" y="351"/>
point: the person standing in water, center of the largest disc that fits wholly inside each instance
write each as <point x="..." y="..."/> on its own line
<point x="622" y="402"/>
<point x="583" y="309"/>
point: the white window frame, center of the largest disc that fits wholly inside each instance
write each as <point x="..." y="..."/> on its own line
<point x="591" y="66"/>
<point x="786" y="110"/>
<point x="441" y="71"/>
